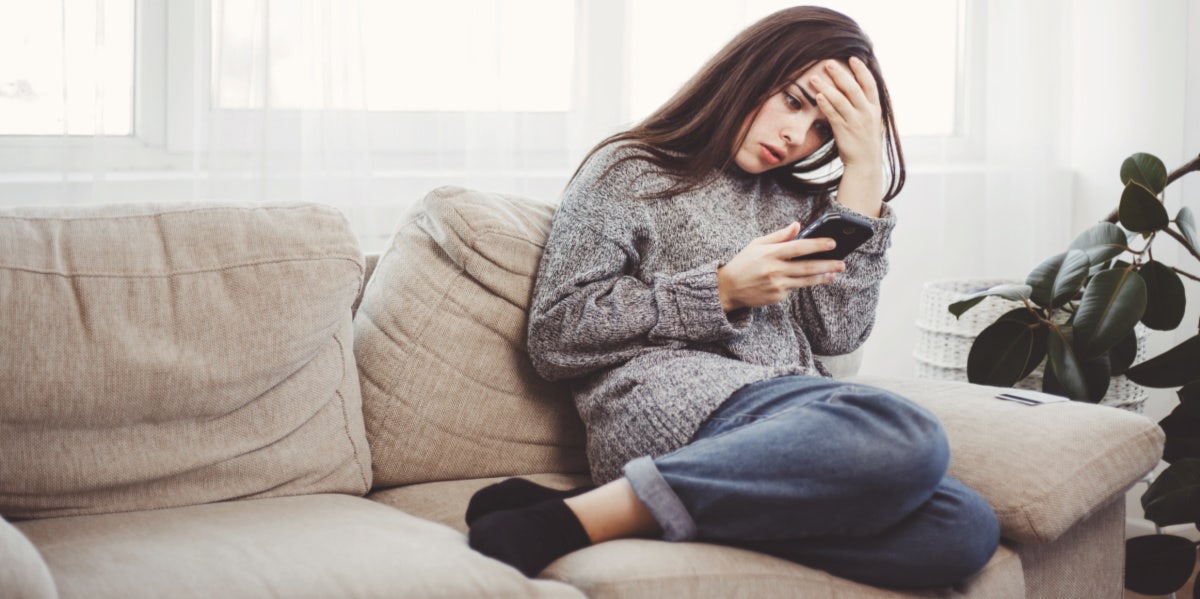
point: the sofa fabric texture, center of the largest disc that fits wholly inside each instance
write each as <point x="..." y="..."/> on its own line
<point x="185" y="400"/>
<point x="23" y="572"/>
<point x="314" y="546"/>
<point x="448" y="388"/>
<point x="1073" y="457"/>
<point x="175" y="355"/>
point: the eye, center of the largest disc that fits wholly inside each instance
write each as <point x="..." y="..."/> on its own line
<point x="792" y="101"/>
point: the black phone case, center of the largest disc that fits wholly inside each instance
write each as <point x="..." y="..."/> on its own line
<point x="847" y="231"/>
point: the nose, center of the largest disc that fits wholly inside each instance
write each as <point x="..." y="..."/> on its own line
<point x="795" y="130"/>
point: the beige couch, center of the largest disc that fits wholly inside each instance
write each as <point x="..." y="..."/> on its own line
<point x="190" y="407"/>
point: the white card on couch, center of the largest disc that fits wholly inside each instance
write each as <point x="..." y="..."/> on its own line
<point x="1030" y="398"/>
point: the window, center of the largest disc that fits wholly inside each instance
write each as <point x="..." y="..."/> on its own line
<point x="487" y="71"/>
<point x="479" y="55"/>
<point x="917" y="42"/>
<point x="66" y="68"/>
<point x="460" y="56"/>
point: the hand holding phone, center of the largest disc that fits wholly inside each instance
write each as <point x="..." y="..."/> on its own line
<point x="847" y="231"/>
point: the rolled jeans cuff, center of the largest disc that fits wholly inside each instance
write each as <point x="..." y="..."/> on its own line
<point x="654" y="492"/>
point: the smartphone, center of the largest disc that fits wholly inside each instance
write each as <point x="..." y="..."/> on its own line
<point x="847" y="230"/>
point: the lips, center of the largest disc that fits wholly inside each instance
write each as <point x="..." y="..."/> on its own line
<point x="770" y="155"/>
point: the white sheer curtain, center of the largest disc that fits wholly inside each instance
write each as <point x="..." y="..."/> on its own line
<point x="362" y="104"/>
<point x="253" y="100"/>
<point x="280" y="105"/>
<point x="994" y="200"/>
<point x="1058" y="93"/>
<point x="366" y="105"/>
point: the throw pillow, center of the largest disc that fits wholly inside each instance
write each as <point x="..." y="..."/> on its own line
<point x="448" y="390"/>
<point x="161" y="356"/>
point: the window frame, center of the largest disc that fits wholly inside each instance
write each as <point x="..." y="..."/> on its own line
<point x="173" y="46"/>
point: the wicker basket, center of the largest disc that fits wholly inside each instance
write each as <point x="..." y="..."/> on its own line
<point x="943" y="341"/>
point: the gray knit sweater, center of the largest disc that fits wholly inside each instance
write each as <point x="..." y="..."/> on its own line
<point x="625" y="305"/>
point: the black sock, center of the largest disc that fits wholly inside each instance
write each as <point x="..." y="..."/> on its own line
<point x="512" y="494"/>
<point x="529" y="538"/>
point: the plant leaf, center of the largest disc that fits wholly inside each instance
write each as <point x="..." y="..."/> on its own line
<point x="1041" y="279"/>
<point x="1102" y="242"/>
<point x="1009" y="291"/>
<point x="1064" y="366"/>
<point x="1113" y="302"/>
<point x="1038" y="329"/>
<point x="1187" y="226"/>
<point x="1145" y="169"/>
<point x="1190" y="391"/>
<point x="1158" y="564"/>
<point x="1122" y="355"/>
<point x="1140" y="210"/>
<point x="1058" y="278"/>
<point x="1182" y="427"/>
<point x="999" y="353"/>
<point x="1165" y="298"/>
<point x="1096" y="379"/>
<point x="1071" y="276"/>
<point x="1174" y="496"/>
<point x="1172" y="368"/>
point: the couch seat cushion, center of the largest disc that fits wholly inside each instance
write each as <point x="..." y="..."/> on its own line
<point x="448" y="389"/>
<point x="446" y="502"/>
<point x="167" y="355"/>
<point x="317" y="546"/>
<point x="650" y="568"/>
<point x="1042" y="468"/>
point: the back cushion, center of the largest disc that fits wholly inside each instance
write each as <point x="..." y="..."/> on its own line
<point x="448" y="390"/>
<point x="161" y="356"/>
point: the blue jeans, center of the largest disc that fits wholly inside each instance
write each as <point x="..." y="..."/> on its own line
<point x="846" y="478"/>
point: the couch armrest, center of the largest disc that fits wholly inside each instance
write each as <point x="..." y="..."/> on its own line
<point x="1042" y="468"/>
<point x="23" y="572"/>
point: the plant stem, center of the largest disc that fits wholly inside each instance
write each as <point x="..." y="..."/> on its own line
<point x="1182" y="242"/>
<point x="1191" y="166"/>
<point x="1190" y="276"/>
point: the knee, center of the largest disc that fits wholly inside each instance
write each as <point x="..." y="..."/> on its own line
<point x="912" y="449"/>
<point x="968" y="540"/>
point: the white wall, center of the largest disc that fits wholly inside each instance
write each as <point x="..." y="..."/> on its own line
<point x="1120" y="90"/>
<point x="1130" y="82"/>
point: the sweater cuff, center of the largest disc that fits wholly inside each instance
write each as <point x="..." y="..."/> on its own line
<point x="882" y="226"/>
<point x="689" y="307"/>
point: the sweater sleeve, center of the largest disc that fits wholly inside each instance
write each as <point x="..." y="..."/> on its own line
<point x="838" y="317"/>
<point x="594" y="307"/>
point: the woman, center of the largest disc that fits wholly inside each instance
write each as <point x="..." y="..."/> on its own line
<point x="669" y="297"/>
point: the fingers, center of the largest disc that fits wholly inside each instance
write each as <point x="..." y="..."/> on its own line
<point x="840" y="93"/>
<point x="846" y="86"/>
<point x="853" y="112"/>
<point x="803" y="247"/>
<point x="806" y="273"/>
<point x="809" y="281"/>
<point x="866" y="80"/>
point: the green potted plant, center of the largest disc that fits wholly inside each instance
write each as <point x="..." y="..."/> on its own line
<point x="1080" y="310"/>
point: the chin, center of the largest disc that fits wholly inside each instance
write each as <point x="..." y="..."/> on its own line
<point x="750" y="167"/>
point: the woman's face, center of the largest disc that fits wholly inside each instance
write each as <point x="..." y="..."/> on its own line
<point x="787" y="128"/>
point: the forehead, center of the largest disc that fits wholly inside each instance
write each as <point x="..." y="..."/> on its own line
<point x="802" y="79"/>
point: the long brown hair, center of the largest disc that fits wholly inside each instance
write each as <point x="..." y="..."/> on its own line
<point x="692" y="136"/>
